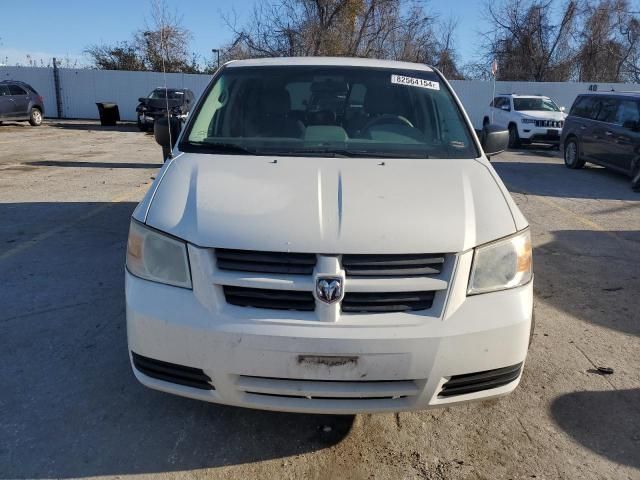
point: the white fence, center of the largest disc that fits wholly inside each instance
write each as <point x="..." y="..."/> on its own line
<point x="81" y="89"/>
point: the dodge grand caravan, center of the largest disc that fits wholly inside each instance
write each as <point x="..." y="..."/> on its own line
<point x="328" y="236"/>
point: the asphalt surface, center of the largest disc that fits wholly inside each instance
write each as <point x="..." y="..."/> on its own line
<point x="70" y="406"/>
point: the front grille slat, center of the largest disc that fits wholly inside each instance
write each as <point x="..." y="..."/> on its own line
<point x="265" y="262"/>
<point x="549" y="123"/>
<point x="479" y="381"/>
<point x="288" y="269"/>
<point x="371" y="271"/>
<point x="171" y="372"/>
<point x="327" y="389"/>
<point x="270" y="299"/>
<point x="369" y="302"/>
<point x="385" y="265"/>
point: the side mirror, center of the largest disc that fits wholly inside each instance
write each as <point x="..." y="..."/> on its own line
<point x="506" y="108"/>
<point x="632" y="125"/>
<point x="494" y="139"/>
<point x="142" y="99"/>
<point x="161" y="128"/>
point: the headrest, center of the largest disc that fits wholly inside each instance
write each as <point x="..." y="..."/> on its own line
<point x="276" y="101"/>
<point x="381" y="99"/>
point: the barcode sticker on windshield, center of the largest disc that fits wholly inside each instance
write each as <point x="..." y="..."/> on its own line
<point x="414" y="82"/>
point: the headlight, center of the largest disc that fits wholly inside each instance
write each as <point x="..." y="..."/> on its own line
<point x="157" y="257"/>
<point x="505" y="263"/>
<point x="528" y="120"/>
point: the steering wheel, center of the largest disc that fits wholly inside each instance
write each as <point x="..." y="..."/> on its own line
<point x="387" y="118"/>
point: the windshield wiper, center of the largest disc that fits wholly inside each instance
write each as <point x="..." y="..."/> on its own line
<point x="222" y="147"/>
<point x="360" y="153"/>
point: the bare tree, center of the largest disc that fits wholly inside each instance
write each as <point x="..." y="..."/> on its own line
<point x="394" y="29"/>
<point x="609" y="42"/>
<point x="121" y="56"/>
<point x="163" y="43"/>
<point x="527" y="41"/>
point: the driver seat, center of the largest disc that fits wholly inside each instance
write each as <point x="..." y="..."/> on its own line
<point x="378" y="100"/>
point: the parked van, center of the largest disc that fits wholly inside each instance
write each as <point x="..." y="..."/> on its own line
<point x="329" y="237"/>
<point x="604" y="128"/>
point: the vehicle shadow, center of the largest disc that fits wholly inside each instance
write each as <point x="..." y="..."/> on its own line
<point x="73" y="164"/>
<point x="70" y="405"/>
<point x="605" y="422"/>
<point x="73" y="125"/>
<point x="555" y="180"/>
<point x="593" y="276"/>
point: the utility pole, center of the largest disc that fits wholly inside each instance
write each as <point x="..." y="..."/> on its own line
<point x="56" y="84"/>
<point x="217" y="52"/>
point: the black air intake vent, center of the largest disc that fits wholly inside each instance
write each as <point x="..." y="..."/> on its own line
<point x="381" y="302"/>
<point x="410" y="265"/>
<point x="171" y="372"/>
<point x="549" y="123"/>
<point x="476" y="382"/>
<point x="272" y="299"/>
<point x="265" y="262"/>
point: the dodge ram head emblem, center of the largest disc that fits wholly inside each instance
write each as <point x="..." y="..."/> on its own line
<point x="329" y="289"/>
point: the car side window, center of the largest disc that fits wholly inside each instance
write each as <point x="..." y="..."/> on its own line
<point x="608" y="110"/>
<point x="16" y="90"/>
<point x="500" y="102"/>
<point x="4" y="90"/>
<point x="587" y="107"/>
<point x="579" y="108"/>
<point x="593" y="108"/>
<point x="628" y="111"/>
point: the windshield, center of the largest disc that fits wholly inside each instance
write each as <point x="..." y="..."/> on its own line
<point x="160" y="93"/>
<point x="339" y="111"/>
<point x="537" y="104"/>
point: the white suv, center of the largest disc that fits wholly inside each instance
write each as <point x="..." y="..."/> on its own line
<point x="529" y="118"/>
<point x="329" y="237"/>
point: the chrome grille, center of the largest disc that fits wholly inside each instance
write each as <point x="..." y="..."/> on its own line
<point x="265" y="262"/>
<point x="373" y="283"/>
<point x="271" y="299"/>
<point x="392" y="265"/>
<point x="374" y="302"/>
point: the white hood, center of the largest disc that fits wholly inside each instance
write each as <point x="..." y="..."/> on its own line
<point x="330" y="205"/>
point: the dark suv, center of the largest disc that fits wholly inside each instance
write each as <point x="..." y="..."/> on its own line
<point x="179" y="100"/>
<point x="604" y="128"/>
<point x="19" y="101"/>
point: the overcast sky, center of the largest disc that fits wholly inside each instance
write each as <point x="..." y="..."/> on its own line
<point x="44" y="29"/>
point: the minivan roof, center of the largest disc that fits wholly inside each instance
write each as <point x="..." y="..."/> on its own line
<point x="327" y="61"/>
<point x="612" y="93"/>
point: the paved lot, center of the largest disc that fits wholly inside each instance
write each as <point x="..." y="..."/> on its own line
<point x="70" y="407"/>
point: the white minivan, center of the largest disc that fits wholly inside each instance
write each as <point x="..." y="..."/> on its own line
<point x="328" y="236"/>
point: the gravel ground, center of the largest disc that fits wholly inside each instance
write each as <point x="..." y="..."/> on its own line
<point x="70" y="406"/>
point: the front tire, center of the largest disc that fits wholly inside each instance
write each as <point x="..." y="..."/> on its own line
<point x="35" y="117"/>
<point x="514" y="137"/>
<point x="572" y="158"/>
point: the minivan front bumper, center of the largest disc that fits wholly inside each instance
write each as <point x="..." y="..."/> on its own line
<point x="378" y="363"/>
